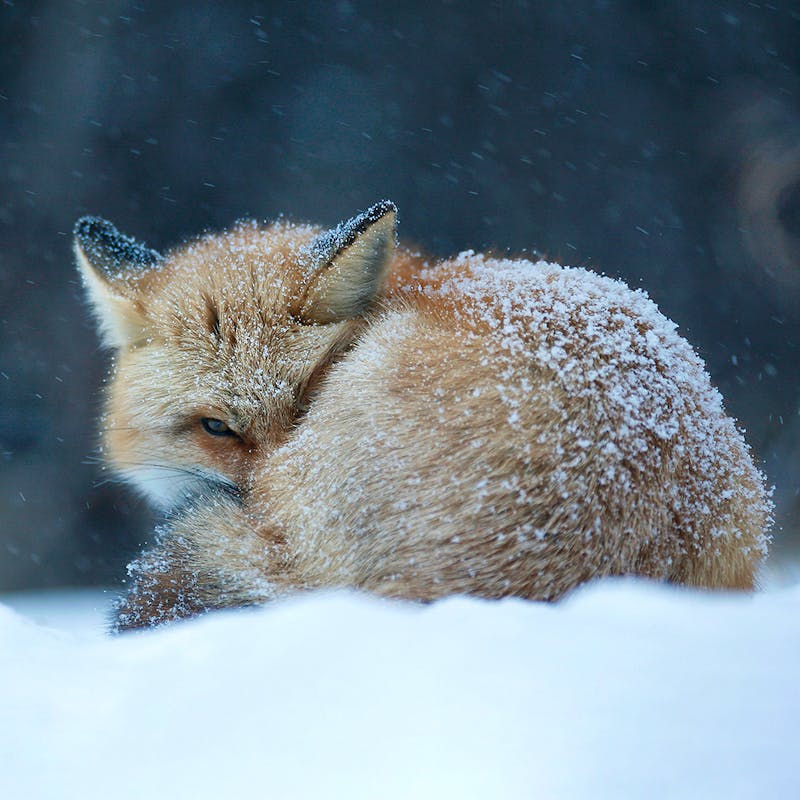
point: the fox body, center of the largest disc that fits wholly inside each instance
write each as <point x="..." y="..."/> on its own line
<point x="323" y="409"/>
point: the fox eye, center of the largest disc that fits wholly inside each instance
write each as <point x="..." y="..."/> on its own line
<point x="216" y="427"/>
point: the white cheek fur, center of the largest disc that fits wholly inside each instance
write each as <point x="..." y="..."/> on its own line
<point x="167" y="486"/>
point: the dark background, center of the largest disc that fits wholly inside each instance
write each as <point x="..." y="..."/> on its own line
<point x="657" y="142"/>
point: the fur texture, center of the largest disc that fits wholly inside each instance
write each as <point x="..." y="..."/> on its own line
<point x="480" y="426"/>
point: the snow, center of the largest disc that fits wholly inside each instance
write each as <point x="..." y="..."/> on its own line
<point x="612" y="347"/>
<point x="625" y="690"/>
<point x="112" y="250"/>
<point x="324" y="247"/>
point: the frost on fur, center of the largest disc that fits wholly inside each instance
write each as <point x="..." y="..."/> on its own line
<point x="416" y="429"/>
<point x="109" y="251"/>
<point x="184" y="574"/>
<point x="108" y="261"/>
<point x="349" y="264"/>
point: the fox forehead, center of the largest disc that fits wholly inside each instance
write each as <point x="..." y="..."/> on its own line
<point x="248" y="272"/>
<point x="231" y="298"/>
<point x="221" y="321"/>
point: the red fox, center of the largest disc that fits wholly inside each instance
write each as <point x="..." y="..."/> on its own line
<point x="327" y="409"/>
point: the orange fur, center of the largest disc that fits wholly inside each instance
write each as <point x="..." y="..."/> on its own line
<point x="481" y="426"/>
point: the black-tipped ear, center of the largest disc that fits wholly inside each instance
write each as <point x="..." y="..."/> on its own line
<point x="350" y="264"/>
<point x="107" y="260"/>
<point x="109" y="251"/>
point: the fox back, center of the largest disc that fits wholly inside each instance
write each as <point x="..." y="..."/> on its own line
<point x="482" y="426"/>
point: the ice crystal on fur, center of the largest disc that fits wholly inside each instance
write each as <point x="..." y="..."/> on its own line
<point x="414" y="429"/>
<point x="324" y="247"/>
<point x="117" y="253"/>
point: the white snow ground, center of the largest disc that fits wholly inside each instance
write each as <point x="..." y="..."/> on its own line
<point x="625" y="690"/>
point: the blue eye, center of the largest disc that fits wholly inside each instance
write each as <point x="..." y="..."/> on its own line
<point x="216" y="427"/>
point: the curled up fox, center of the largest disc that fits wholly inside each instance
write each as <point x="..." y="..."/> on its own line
<point x="324" y="408"/>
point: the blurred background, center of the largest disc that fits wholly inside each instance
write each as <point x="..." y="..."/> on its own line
<point x="655" y="142"/>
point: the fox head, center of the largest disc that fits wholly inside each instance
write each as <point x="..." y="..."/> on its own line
<point x="219" y="345"/>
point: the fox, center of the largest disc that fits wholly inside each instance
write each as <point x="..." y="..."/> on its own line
<point x="325" y="408"/>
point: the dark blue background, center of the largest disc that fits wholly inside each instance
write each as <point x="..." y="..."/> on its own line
<point x="657" y="142"/>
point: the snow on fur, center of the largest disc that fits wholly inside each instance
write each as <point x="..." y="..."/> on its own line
<point x="611" y="346"/>
<point x="489" y="426"/>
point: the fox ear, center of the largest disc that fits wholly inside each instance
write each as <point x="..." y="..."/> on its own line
<point x="108" y="262"/>
<point x="350" y="264"/>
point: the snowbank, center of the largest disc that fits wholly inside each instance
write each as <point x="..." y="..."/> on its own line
<point x="626" y="690"/>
